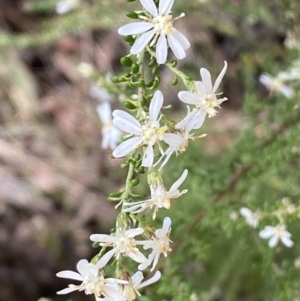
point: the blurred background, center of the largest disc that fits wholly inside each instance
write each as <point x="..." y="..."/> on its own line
<point x="55" y="177"/>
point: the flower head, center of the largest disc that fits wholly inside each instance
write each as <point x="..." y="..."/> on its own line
<point x="205" y="98"/>
<point x="275" y="234"/>
<point x="160" y="197"/>
<point x="159" y="243"/>
<point x="276" y="84"/>
<point x="135" y="283"/>
<point x="122" y="242"/>
<point x="157" y="28"/>
<point x="252" y="218"/>
<point x="148" y="132"/>
<point x="93" y="281"/>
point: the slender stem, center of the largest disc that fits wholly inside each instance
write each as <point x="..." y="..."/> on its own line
<point x="187" y="81"/>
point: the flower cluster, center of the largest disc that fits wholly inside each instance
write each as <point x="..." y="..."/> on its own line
<point x="150" y="141"/>
<point x="278" y="84"/>
<point x="277" y="233"/>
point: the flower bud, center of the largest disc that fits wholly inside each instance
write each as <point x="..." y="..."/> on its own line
<point x="126" y="61"/>
<point x="132" y="15"/>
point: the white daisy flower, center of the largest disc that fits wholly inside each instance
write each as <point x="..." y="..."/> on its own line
<point x="275" y="234"/>
<point x="110" y="134"/>
<point x="160" y="197"/>
<point x="276" y="84"/>
<point x="148" y="132"/>
<point x="157" y="28"/>
<point x="178" y="142"/>
<point x="160" y="244"/>
<point x="93" y="281"/>
<point x="122" y="242"/>
<point x="205" y="98"/>
<point x="252" y="218"/>
<point x="135" y="283"/>
<point x="64" y="6"/>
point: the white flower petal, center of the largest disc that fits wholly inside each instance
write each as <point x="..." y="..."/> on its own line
<point x="273" y="241"/>
<point x="266" y="79"/>
<point x="70" y="275"/>
<point x="176" y="185"/>
<point x="124" y="115"/>
<point x="155" y="105"/>
<point x="150" y="6"/>
<point x="141" y="42"/>
<point x="174" y="140"/>
<point x="113" y="294"/>
<point x="127" y="146"/>
<point x="127" y="126"/>
<point x="188" y="97"/>
<point x="176" y="46"/>
<point x="151" y="280"/>
<point x="134" y="232"/>
<point x="197" y="120"/>
<point x="105" y="258"/>
<point x="181" y="38"/>
<point x="137" y="256"/>
<point x="200" y="88"/>
<point x="166" y="224"/>
<point x="135" y="28"/>
<point x="287" y="91"/>
<point x="148" y="156"/>
<point x="183" y="123"/>
<point x="67" y="290"/>
<point x="245" y="212"/>
<point x="137" y="278"/>
<point x="206" y="79"/>
<point x="165" y="7"/>
<point x="287" y="241"/>
<point x="155" y="261"/>
<point x="82" y="267"/>
<point x="103" y="238"/>
<point x="267" y="232"/>
<point x="161" y="50"/>
<point x="220" y="77"/>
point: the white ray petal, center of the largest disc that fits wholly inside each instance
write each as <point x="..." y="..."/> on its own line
<point x="176" y="46"/>
<point x="150" y="6"/>
<point x="148" y="156"/>
<point x="206" y="79"/>
<point x="161" y="50"/>
<point x="267" y="232"/>
<point x="200" y="88"/>
<point x="165" y="7"/>
<point x="82" y="267"/>
<point x="103" y="238"/>
<point x="287" y="241"/>
<point x="155" y="105"/>
<point x="176" y="185"/>
<point x="273" y="241"/>
<point x="105" y="258"/>
<point x="166" y="224"/>
<point x="127" y="146"/>
<point x="124" y="115"/>
<point x="67" y="290"/>
<point x="220" y="77"/>
<point x="151" y="280"/>
<point x="141" y="42"/>
<point x="189" y="97"/>
<point x="127" y="126"/>
<point x="70" y="275"/>
<point x="181" y="38"/>
<point x="135" y="28"/>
